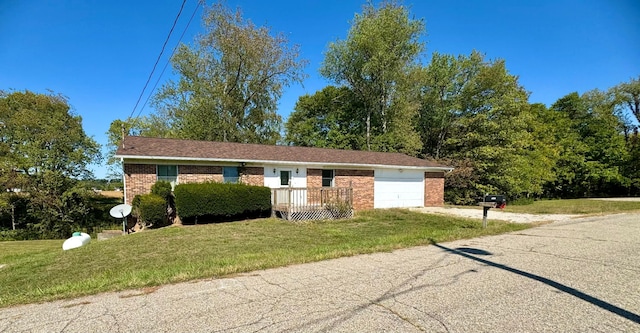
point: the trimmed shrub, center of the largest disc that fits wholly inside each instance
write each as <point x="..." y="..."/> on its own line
<point x="221" y="200"/>
<point x="162" y="188"/>
<point x="152" y="210"/>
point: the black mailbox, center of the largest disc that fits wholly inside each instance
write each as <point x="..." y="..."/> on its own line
<point x="490" y="201"/>
<point x="498" y="199"/>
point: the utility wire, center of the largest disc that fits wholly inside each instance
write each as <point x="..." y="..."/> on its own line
<point x="167" y="63"/>
<point x="159" y="56"/>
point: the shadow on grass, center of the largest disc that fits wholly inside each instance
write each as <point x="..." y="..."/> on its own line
<point x="464" y="252"/>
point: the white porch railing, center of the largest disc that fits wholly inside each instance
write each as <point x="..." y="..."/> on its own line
<point x="312" y="203"/>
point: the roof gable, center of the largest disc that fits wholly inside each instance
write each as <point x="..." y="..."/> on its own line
<point x="157" y="148"/>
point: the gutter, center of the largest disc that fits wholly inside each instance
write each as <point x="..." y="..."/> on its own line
<point x="306" y="164"/>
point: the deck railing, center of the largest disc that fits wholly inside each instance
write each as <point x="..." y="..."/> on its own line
<point x="312" y="203"/>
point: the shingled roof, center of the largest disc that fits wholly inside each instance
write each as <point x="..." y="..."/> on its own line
<point x="136" y="147"/>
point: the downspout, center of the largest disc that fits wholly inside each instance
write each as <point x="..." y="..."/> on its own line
<point x="124" y="181"/>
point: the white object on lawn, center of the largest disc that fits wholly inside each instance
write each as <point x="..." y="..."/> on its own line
<point x="120" y="212"/>
<point x="77" y="240"/>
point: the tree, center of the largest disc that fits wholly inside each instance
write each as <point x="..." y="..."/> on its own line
<point x="40" y="133"/>
<point x="475" y="116"/>
<point x="628" y="94"/>
<point x="229" y="82"/>
<point x="330" y="118"/>
<point x="444" y="81"/>
<point x="588" y="134"/>
<point x="43" y="150"/>
<point x="378" y="62"/>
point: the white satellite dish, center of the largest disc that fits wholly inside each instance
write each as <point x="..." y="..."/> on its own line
<point x="120" y="212"/>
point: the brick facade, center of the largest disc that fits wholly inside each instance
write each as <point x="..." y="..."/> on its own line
<point x="362" y="183"/>
<point x="314" y="178"/>
<point x="433" y="189"/>
<point x="199" y="174"/>
<point x="252" y="176"/>
<point x="138" y="179"/>
<point x="360" y="180"/>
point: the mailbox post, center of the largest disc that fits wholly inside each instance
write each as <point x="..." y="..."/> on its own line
<point x="491" y="201"/>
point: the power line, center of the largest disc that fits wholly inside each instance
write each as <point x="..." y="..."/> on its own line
<point x="159" y="56"/>
<point x="171" y="56"/>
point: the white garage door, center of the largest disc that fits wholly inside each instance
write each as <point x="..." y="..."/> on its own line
<point x="398" y="188"/>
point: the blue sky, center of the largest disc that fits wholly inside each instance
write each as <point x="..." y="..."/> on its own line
<point x="100" y="53"/>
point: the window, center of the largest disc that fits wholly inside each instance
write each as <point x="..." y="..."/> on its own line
<point x="230" y="174"/>
<point x="327" y="178"/>
<point x="168" y="173"/>
<point x="285" y="177"/>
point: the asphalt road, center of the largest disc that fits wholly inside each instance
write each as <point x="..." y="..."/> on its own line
<point x="581" y="275"/>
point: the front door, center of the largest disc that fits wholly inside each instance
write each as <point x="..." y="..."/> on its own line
<point x="285" y="178"/>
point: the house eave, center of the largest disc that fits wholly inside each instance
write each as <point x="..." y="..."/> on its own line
<point x="292" y="163"/>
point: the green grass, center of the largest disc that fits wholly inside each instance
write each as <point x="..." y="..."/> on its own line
<point x="570" y="206"/>
<point x="38" y="271"/>
<point x="575" y="206"/>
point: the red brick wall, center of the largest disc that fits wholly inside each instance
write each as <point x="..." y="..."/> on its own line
<point x="138" y="179"/>
<point x="433" y="189"/>
<point x="252" y="176"/>
<point x="314" y="178"/>
<point x="199" y="174"/>
<point x="362" y="183"/>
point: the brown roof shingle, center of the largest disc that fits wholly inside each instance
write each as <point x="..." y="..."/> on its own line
<point x="143" y="147"/>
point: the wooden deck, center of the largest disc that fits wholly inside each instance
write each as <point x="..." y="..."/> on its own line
<point x="296" y="204"/>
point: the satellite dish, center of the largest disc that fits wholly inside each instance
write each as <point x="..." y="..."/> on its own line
<point x="120" y="211"/>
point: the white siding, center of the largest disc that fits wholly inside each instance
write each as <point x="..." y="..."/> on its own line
<point x="272" y="179"/>
<point x="298" y="179"/>
<point x="398" y="188"/>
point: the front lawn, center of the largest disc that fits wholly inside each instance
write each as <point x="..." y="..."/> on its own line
<point x="36" y="271"/>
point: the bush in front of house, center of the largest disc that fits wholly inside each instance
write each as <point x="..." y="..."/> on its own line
<point x="162" y="188"/>
<point x="215" y="201"/>
<point x="150" y="209"/>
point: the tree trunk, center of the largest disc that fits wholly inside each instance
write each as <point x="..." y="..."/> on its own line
<point x="13" y="217"/>
<point x="368" y="130"/>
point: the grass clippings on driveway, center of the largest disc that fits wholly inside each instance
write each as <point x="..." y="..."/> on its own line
<point x="38" y="271"/>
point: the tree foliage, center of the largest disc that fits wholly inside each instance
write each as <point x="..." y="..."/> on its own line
<point x="628" y="95"/>
<point x="40" y="133"/>
<point x="43" y="151"/>
<point x="229" y="81"/>
<point x="588" y="134"/>
<point x="330" y="118"/>
<point x="378" y="61"/>
<point x="228" y="86"/>
<point x="476" y="116"/>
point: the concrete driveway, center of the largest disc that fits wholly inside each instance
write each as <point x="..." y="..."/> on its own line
<point x="580" y="275"/>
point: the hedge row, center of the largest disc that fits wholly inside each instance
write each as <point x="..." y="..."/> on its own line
<point x="150" y="209"/>
<point x="220" y="199"/>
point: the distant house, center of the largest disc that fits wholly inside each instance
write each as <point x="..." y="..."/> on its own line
<point x="379" y="180"/>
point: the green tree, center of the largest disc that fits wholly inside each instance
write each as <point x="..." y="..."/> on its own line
<point x="229" y="82"/>
<point x="39" y="132"/>
<point x="330" y="118"/>
<point x="43" y="150"/>
<point x="628" y="94"/>
<point x="445" y="80"/>
<point x="589" y="134"/>
<point x="378" y="61"/>
<point x="475" y="116"/>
